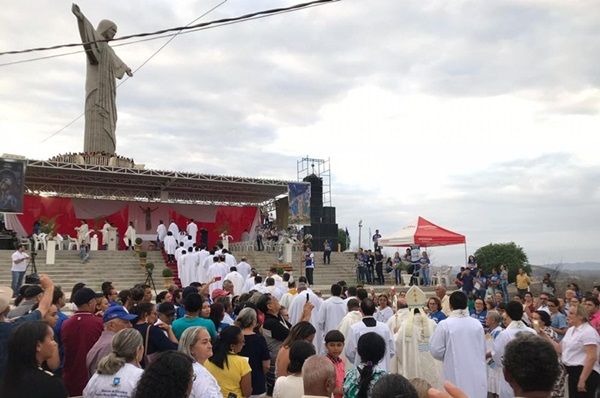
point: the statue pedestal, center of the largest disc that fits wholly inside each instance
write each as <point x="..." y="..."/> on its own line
<point x="51" y="252"/>
<point x="94" y="243"/>
<point x="112" y="239"/>
<point x="287" y="253"/>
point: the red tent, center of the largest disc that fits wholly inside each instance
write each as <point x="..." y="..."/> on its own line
<point x="424" y="234"/>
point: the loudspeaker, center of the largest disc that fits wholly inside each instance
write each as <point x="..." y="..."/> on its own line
<point x="328" y="215"/>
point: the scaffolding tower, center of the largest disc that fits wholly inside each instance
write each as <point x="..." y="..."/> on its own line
<point x="319" y="167"/>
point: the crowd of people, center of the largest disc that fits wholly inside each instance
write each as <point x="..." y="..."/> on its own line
<point x="94" y="158"/>
<point x="232" y="332"/>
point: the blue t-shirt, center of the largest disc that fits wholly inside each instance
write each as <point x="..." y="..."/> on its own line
<point x="437" y="316"/>
<point x="480" y="317"/>
<point x="6" y="329"/>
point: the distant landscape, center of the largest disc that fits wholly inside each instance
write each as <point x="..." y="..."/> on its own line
<point x="585" y="274"/>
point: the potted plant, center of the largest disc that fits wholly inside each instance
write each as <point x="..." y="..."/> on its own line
<point x="168" y="276"/>
<point x="143" y="256"/>
<point x="138" y="245"/>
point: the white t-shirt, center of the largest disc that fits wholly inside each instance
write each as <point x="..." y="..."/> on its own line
<point x="205" y="385"/>
<point x="119" y="385"/>
<point x="22" y="266"/>
<point x="288" y="387"/>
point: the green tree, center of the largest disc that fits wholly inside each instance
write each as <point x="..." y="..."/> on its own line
<point x="342" y="239"/>
<point x="496" y="254"/>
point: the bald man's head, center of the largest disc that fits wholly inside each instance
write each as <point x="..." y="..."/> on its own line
<point x="318" y="375"/>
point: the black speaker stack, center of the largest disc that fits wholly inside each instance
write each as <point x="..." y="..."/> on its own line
<point x="323" y="225"/>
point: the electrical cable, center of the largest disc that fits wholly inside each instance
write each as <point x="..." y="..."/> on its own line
<point x="180" y="28"/>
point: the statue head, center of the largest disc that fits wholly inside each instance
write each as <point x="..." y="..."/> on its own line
<point x="107" y="29"/>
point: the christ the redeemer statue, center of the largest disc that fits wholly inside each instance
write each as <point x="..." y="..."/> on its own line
<point x="103" y="67"/>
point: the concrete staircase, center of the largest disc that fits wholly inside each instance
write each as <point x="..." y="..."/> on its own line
<point x="120" y="267"/>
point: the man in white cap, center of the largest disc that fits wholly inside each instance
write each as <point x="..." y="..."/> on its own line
<point x="7" y="327"/>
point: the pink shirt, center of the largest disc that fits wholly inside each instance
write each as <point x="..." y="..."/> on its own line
<point x="340" y="373"/>
<point x="595" y="321"/>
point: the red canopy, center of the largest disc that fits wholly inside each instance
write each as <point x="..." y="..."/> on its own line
<point x="424" y="234"/>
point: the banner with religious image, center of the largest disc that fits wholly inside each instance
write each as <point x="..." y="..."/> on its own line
<point x="299" y="200"/>
<point x="12" y="185"/>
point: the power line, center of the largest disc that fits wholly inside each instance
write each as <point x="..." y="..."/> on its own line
<point x="178" y="29"/>
<point x="162" y="36"/>
<point x="138" y="68"/>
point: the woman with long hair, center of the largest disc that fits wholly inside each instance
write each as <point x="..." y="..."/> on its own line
<point x="255" y="348"/>
<point x="231" y="370"/>
<point x="155" y="340"/>
<point x="119" y="372"/>
<point x="360" y="380"/>
<point x="303" y="330"/>
<point x="170" y="376"/>
<point x="29" y="346"/>
<point x="291" y="386"/>
<point x="384" y="311"/>
<point x="195" y="342"/>
<point x="217" y="313"/>
<point x="434" y="307"/>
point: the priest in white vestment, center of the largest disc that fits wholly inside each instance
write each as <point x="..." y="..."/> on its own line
<point x="353" y="315"/>
<point x="178" y="251"/>
<point x="192" y="230"/>
<point x="174" y="229"/>
<point x="188" y="244"/>
<point x="205" y="265"/>
<point x="130" y="236"/>
<point x="180" y="274"/>
<point x="396" y="320"/>
<point x="82" y="232"/>
<point x="161" y="232"/>
<point x="297" y="305"/>
<point x="105" y="229"/>
<point x="170" y="245"/>
<point x="217" y="271"/>
<point x="331" y="314"/>
<point x="514" y="326"/>
<point x="189" y="268"/>
<point x="369" y="324"/>
<point x="237" y="279"/>
<point x="459" y="342"/>
<point x="244" y="268"/>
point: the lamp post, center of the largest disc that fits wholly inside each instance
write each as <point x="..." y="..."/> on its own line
<point x="359" y="233"/>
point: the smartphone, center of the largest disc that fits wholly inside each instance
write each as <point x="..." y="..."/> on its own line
<point x="307" y="298"/>
<point x="231" y="395"/>
<point x="217" y="278"/>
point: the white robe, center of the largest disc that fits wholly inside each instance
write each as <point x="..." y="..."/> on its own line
<point x="357" y="330"/>
<point x="350" y="319"/>
<point x="188" y="244"/>
<point x="203" y="271"/>
<point x="287" y="298"/>
<point x="218" y="269"/>
<point x="505" y="337"/>
<point x="396" y="320"/>
<point x="238" y="282"/>
<point x="274" y="291"/>
<point x="130" y="235"/>
<point x="249" y="284"/>
<point x="331" y="314"/>
<point x="230" y="260"/>
<point x="82" y="232"/>
<point x="178" y="252"/>
<point x="187" y="269"/>
<point x="244" y="269"/>
<point x="161" y="232"/>
<point x="170" y="245"/>
<point x="297" y="306"/>
<point x="459" y="342"/>
<point x="384" y="315"/>
<point x="174" y="229"/>
<point x="192" y="230"/>
<point x="413" y="358"/>
<point x="105" y="229"/>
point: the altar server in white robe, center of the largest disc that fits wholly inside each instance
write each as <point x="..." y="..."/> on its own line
<point x="82" y="231"/>
<point x="459" y="342"/>
<point x="352" y="316"/>
<point x="178" y="251"/>
<point x="170" y="246"/>
<point x="188" y="244"/>
<point x="514" y="325"/>
<point x="205" y="265"/>
<point x="297" y="305"/>
<point x="174" y="229"/>
<point x="161" y="232"/>
<point x="105" y="229"/>
<point x="192" y="230"/>
<point x="217" y="271"/>
<point x="331" y="313"/>
<point x="229" y="258"/>
<point x="237" y="279"/>
<point x="365" y="325"/>
<point x="180" y="258"/>
<point x="130" y="236"/>
<point x="244" y="268"/>
<point x="188" y="269"/>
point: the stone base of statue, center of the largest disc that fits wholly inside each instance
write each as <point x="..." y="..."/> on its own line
<point x="96" y="159"/>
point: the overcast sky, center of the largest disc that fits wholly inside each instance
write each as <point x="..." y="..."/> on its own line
<point x="481" y="116"/>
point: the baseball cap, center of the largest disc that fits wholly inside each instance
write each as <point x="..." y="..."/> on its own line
<point x="219" y="293"/>
<point x="117" y="311"/>
<point x="5" y="296"/>
<point x="84" y="295"/>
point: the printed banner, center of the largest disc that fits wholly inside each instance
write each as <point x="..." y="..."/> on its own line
<point x="299" y="200"/>
<point x="12" y="185"/>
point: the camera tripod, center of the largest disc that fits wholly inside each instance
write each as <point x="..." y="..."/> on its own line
<point x="150" y="281"/>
